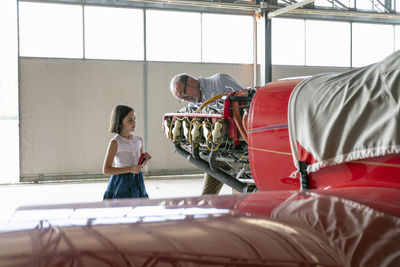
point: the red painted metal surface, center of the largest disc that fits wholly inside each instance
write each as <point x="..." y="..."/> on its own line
<point x="338" y="227"/>
<point x="271" y="161"/>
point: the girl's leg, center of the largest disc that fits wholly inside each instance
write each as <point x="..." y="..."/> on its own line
<point x="140" y="186"/>
<point x="110" y="188"/>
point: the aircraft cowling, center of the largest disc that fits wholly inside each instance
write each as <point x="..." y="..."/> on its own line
<point x="340" y="227"/>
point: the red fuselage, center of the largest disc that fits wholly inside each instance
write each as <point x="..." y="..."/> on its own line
<point x="270" y="154"/>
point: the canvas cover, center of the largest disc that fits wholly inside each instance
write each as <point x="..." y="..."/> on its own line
<point x="341" y="117"/>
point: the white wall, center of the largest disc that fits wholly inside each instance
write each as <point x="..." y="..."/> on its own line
<point x="65" y="107"/>
<point x="279" y="72"/>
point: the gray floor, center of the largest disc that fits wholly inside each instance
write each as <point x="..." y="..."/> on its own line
<point x="16" y="195"/>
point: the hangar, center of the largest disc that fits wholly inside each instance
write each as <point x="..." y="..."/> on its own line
<point x="67" y="63"/>
<point x="70" y="59"/>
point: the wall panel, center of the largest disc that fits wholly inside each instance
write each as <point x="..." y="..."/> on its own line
<point x="65" y="108"/>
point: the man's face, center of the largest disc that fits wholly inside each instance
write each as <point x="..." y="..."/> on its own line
<point x="187" y="91"/>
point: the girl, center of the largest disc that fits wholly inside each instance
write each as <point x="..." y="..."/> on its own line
<point x="123" y="153"/>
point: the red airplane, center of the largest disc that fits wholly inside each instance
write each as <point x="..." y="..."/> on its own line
<point x="317" y="160"/>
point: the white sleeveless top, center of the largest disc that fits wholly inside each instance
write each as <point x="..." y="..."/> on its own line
<point x="128" y="151"/>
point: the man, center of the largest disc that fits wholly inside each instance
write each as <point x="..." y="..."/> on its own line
<point x="185" y="87"/>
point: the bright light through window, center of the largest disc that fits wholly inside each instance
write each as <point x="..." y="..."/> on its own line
<point x="227" y="38"/>
<point x="398" y="5"/>
<point x="9" y="124"/>
<point x="349" y="3"/>
<point x="323" y="3"/>
<point x="364" y="4"/>
<point x="326" y="3"/>
<point x="50" y="30"/>
<point x="288" y="42"/>
<point x="327" y="43"/>
<point x="371" y="43"/>
<point x="397" y="36"/>
<point x="114" y="33"/>
<point x="173" y="36"/>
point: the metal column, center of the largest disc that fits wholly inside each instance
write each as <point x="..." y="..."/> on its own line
<point x="268" y="50"/>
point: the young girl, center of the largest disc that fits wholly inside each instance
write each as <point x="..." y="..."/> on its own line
<point x="123" y="153"/>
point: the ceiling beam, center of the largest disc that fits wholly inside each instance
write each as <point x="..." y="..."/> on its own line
<point x="288" y="8"/>
<point x="292" y="11"/>
<point x="347" y="13"/>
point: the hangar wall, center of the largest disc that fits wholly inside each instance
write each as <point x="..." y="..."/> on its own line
<point x="279" y="72"/>
<point x="65" y="106"/>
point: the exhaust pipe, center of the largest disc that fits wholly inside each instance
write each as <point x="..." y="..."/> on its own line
<point x="213" y="171"/>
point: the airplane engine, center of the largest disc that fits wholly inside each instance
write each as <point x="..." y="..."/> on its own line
<point x="213" y="135"/>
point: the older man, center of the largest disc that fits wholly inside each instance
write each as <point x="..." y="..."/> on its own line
<point x="185" y="87"/>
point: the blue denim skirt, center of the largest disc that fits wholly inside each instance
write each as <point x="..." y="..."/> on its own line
<point x="126" y="185"/>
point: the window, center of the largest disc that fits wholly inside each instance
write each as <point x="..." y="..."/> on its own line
<point x="364" y="4"/>
<point x="371" y="43"/>
<point x="50" y="30"/>
<point x="397" y="37"/>
<point x="323" y="3"/>
<point x="173" y="36"/>
<point x="288" y="42"/>
<point x="227" y="38"/>
<point x="327" y="43"/>
<point x="9" y="143"/>
<point x="114" y="33"/>
<point x="326" y="3"/>
<point x="397" y="5"/>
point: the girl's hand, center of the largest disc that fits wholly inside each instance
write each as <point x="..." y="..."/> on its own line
<point x="147" y="157"/>
<point x="136" y="169"/>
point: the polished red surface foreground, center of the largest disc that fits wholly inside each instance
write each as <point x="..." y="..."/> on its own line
<point x="350" y="216"/>
<point x="341" y="227"/>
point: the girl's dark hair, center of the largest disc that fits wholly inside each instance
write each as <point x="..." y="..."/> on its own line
<point x="117" y="115"/>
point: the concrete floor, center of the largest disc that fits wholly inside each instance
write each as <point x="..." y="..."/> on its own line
<point x="15" y="195"/>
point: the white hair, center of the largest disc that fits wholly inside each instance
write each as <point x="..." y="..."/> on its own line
<point x="178" y="78"/>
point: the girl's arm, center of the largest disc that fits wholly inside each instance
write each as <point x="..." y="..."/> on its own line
<point x="108" y="162"/>
<point x="141" y="148"/>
